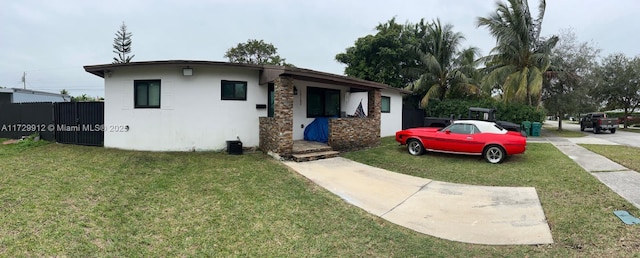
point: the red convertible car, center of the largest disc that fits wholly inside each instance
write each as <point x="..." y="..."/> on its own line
<point x="471" y="137"/>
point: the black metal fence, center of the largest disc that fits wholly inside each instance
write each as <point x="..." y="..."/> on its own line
<point x="65" y="122"/>
<point x="79" y="123"/>
<point x="412" y="117"/>
<point x="23" y="119"/>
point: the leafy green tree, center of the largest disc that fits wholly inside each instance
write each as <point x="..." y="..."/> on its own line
<point x="83" y="98"/>
<point x="64" y="92"/>
<point x="383" y="57"/>
<point x="443" y="68"/>
<point x="618" y="83"/>
<point x="515" y="67"/>
<point x="566" y="84"/>
<point x="122" y="45"/>
<point x="255" y="52"/>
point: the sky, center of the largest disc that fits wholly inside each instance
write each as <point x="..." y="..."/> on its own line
<point x="51" y="41"/>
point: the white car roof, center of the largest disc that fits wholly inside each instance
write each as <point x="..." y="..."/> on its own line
<point x="484" y="126"/>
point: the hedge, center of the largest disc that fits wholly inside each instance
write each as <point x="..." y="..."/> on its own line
<point x="515" y="113"/>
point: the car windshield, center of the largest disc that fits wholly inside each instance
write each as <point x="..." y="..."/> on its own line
<point x="475" y="127"/>
<point x="443" y="129"/>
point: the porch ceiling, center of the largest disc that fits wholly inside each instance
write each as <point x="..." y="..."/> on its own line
<point x="270" y="73"/>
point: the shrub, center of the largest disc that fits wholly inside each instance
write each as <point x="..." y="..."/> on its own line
<point x="515" y="113"/>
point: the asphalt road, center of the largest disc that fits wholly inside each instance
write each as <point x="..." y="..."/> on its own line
<point x="620" y="137"/>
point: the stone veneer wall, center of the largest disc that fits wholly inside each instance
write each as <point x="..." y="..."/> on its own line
<point x="276" y="133"/>
<point x="346" y="134"/>
<point x="357" y="133"/>
<point x="268" y="137"/>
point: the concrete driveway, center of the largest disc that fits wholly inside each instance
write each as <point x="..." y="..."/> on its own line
<point x="457" y="212"/>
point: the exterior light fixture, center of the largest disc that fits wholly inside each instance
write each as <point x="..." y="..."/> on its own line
<point x="295" y="90"/>
<point x="187" y="71"/>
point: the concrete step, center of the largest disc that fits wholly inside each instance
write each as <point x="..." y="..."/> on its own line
<point x="315" y="155"/>
<point x="313" y="149"/>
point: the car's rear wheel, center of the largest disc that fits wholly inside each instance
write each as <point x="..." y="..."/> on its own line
<point x="596" y="129"/>
<point x="581" y="127"/>
<point x="612" y="130"/>
<point x="494" y="154"/>
<point x="415" y="147"/>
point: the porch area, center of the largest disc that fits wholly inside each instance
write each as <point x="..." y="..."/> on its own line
<point x="344" y="133"/>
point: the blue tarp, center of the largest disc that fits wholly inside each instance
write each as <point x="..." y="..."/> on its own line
<point x="318" y="130"/>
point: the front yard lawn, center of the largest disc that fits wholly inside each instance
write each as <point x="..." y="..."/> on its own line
<point x="64" y="200"/>
<point x="624" y="155"/>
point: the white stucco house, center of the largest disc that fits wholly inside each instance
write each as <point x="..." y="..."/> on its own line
<point x="181" y="105"/>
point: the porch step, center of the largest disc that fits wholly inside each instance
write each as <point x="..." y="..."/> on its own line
<point x="312" y="149"/>
<point x="315" y="155"/>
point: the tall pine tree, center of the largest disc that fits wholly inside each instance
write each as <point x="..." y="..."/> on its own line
<point x="122" y="45"/>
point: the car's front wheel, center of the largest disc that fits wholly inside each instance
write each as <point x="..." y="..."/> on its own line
<point x="415" y="147"/>
<point x="494" y="154"/>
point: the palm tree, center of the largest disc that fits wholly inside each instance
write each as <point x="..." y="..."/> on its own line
<point x="517" y="63"/>
<point x="442" y="67"/>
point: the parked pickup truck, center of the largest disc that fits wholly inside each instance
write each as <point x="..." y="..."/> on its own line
<point x="598" y="122"/>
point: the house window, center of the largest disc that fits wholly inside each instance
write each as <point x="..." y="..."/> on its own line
<point x="323" y="102"/>
<point x="234" y="90"/>
<point x="386" y="105"/>
<point x="146" y="93"/>
<point x="271" y="100"/>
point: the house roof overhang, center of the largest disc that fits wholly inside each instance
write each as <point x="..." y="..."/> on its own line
<point x="268" y="73"/>
<point x="103" y="69"/>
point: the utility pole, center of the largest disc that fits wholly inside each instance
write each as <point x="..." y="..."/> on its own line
<point x="24" y="80"/>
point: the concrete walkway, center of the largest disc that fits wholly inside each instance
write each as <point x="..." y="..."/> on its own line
<point x="623" y="181"/>
<point x="464" y="213"/>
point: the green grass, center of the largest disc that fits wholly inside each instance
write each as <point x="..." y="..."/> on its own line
<point x="552" y="131"/>
<point x="630" y="130"/>
<point x="567" y="133"/>
<point x="624" y="155"/>
<point x="64" y="200"/>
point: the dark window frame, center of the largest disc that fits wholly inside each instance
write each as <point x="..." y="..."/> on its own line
<point x="382" y="110"/>
<point x="235" y="93"/>
<point x="271" y="96"/>
<point x="323" y="100"/>
<point x="145" y="83"/>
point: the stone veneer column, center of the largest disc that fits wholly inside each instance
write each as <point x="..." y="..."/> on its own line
<point x="374" y="107"/>
<point x="283" y="115"/>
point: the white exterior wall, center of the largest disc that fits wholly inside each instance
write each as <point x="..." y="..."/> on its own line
<point x="191" y="116"/>
<point x="390" y="122"/>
